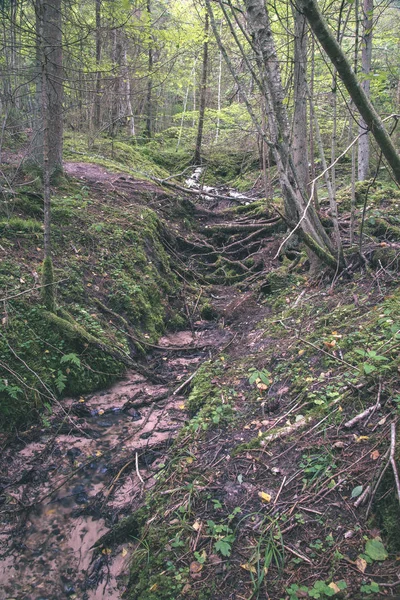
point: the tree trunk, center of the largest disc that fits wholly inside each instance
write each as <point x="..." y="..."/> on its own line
<point x="299" y="143"/>
<point x="343" y="67"/>
<point x="49" y="56"/>
<point x="294" y="194"/>
<point x="203" y="94"/>
<point x="366" y="58"/>
<point x="97" y="98"/>
<point x="149" y="100"/>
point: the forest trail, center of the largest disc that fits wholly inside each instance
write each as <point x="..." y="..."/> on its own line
<point x="70" y="481"/>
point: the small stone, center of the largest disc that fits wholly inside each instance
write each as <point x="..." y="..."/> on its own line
<point x="349" y="534"/>
<point x="69" y="589"/>
<point x="135" y="414"/>
<point x="104" y="423"/>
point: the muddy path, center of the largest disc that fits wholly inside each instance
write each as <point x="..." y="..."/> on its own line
<point x="64" y="485"/>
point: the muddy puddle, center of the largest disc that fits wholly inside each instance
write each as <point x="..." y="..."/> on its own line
<point x="65" y="485"/>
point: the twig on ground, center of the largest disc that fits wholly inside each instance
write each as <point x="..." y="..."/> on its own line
<point x="137" y="467"/>
<point x="362" y="415"/>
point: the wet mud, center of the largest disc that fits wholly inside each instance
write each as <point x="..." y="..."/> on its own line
<point x="64" y="485"/>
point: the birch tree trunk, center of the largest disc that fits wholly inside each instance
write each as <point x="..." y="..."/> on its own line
<point x="294" y="194"/>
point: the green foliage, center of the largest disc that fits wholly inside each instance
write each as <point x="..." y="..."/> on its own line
<point x="223" y="537"/>
<point x="319" y="590"/>
<point x="375" y="549"/>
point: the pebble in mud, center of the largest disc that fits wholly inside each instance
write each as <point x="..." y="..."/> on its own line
<point x="72" y="453"/>
<point x="104" y="423"/>
<point x="135" y="414"/>
<point x="69" y="589"/>
<point x="80" y="494"/>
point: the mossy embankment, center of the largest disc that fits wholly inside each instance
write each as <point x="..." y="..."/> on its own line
<point x="113" y="277"/>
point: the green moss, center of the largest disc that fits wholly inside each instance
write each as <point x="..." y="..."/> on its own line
<point x="203" y="388"/>
<point x="16" y="225"/>
<point x="101" y="249"/>
<point x="47" y="291"/>
<point x="208" y="312"/>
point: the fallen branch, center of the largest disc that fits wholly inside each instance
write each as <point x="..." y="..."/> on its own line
<point x="362" y="415"/>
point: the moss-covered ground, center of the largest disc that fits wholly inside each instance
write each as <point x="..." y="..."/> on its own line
<point x="113" y="275"/>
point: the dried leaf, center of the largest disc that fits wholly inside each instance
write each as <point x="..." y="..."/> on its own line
<point x="196" y="525"/>
<point x="375" y="455"/>
<point x="124" y="552"/>
<point x="262" y="386"/>
<point x="334" y="587"/>
<point x="264" y="496"/>
<point x="186" y="589"/>
<point x="248" y="567"/>
<point x="361" y="564"/>
<point x="195" y="568"/>
<point x="154" y="587"/>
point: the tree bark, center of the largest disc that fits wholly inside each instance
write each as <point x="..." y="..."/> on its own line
<point x="203" y="94"/>
<point x="49" y="57"/>
<point x="346" y="74"/>
<point x="294" y="195"/>
<point x="149" y="100"/>
<point x="299" y="144"/>
<point x="97" y="98"/>
<point x="366" y="58"/>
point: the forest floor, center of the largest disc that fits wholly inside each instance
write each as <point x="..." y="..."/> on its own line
<point x="228" y="466"/>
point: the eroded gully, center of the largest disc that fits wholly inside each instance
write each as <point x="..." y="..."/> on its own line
<point x="64" y="486"/>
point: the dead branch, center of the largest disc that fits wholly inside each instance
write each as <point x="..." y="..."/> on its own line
<point x="362" y="415"/>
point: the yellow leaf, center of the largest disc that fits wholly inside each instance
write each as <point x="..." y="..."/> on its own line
<point x="334" y="587"/>
<point x="106" y="551"/>
<point x="182" y="406"/>
<point x="248" y="567"/>
<point x="361" y="564"/>
<point x="262" y="386"/>
<point x="89" y="285"/>
<point x="189" y="460"/>
<point x="196" y="525"/>
<point x="264" y="496"/>
<point x="375" y="455"/>
<point x="260" y="433"/>
<point x="98" y="453"/>
<point x="340" y="409"/>
<point x="222" y="358"/>
<point x="361" y="438"/>
<point x="154" y="587"/>
<point x="81" y="399"/>
<point x="101" y="411"/>
<point x="124" y="552"/>
<point x="301" y="352"/>
<point x="330" y="344"/>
